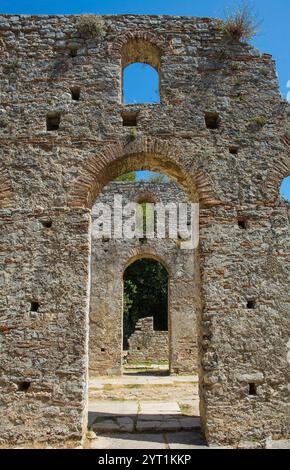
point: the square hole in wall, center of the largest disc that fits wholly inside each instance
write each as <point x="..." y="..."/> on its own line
<point x="242" y="223"/>
<point x="234" y="149"/>
<point x="252" y="388"/>
<point x="73" y="49"/>
<point x="75" y="93"/>
<point x="46" y="223"/>
<point x="23" y="386"/>
<point x="103" y="350"/>
<point x="251" y="304"/>
<point x="130" y="118"/>
<point x="34" y="306"/>
<point x="212" y="120"/>
<point x="52" y="121"/>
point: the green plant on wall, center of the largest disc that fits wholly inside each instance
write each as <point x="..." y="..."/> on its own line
<point x="241" y="23"/>
<point x="90" y="26"/>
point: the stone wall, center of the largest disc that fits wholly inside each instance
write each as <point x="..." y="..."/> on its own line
<point x="234" y="171"/>
<point x="43" y="324"/>
<point x="146" y="344"/>
<point x="109" y="259"/>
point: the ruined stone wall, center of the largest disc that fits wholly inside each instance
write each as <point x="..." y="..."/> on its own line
<point x="43" y="324"/>
<point x="234" y="171"/>
<point x="111" y="256"/>
<point x="146" y="344"/>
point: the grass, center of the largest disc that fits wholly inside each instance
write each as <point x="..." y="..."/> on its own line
<point x="260" y="121"/>
<point x="90" y="26"/>
<point x="185" y="409"/>
<point x="241" y="24"/>
<point x="133" y="135"/>
<point x="132" y="386"/>
<point x="108" y="387"/>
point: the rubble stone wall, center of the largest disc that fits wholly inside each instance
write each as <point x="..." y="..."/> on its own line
<point x="109" y="259"/>
<point x="146" y="344"/>
<point x="233" y="170"/>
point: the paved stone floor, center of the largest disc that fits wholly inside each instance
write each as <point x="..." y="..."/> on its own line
<point x="144" y="387"/>
<point x="176" y="440"/>
<point x="141" y="411"/>
<point x="141" y="416"/>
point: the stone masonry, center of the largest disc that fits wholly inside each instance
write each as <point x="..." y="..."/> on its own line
<point x="145" y="344"/>
<point x="109" y="259"/>
<point x="221" y="131"/>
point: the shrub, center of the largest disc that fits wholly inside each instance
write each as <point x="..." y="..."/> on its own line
<point x="133" y="135"/>
<point x="234" y="66"/>
<point x="90" y="26"/>
<point x="241" y="24"/>
<point x="238" y="82"/>
<point x="73" y="49"/>
<point x="260" y="121"/>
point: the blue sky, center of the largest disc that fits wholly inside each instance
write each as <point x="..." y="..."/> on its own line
<point x="273" y="38"/>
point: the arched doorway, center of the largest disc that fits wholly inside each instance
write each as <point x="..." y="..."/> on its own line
<point x="111" y="258"/>
<point x="114" y="263"/>
<point x="147" y="154"/>
<point x="145" y="316"/>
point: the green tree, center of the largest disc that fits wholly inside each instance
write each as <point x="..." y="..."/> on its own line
<point x="127" y="177"/>
<point x="159" y="178"/>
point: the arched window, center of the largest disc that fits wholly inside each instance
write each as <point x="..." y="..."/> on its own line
<point x="285" y="189"/>
<point x="140" y="84"/>
<point x="140" y="72"/>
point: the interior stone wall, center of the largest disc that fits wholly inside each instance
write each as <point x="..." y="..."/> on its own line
<point x="147" y="344"/>
<point x="233" y="171"/>
<point x="109" y="259"/>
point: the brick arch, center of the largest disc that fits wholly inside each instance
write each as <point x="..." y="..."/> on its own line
<point x="281" y="169"/>
<point x="5" y="189"/>
<point x="118" y="44"/>
<point x="146" y="252"/>
<point x="142" y="154"/>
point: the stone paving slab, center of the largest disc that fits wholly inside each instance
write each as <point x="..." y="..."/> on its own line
<point x="281" y="444"/>
<point x="115" y="407"/>
<point x="175" y="440"/>
<point x="154" y="407"/>
<point x="158" y="426"/>
<point x="189" y="422"/>
<point x="185" y="440"/>
<point x="123" y="416"/>
<point x="123" y="424"/>
<point x="128" y="441"/>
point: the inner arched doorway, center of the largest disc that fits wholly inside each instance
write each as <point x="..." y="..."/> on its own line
<point x="145" y="316"/>
<point x="112" y="258"/>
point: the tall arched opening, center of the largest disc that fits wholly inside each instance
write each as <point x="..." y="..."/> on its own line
<point x="185" y="309"/>
<point x="145" y="317"/>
